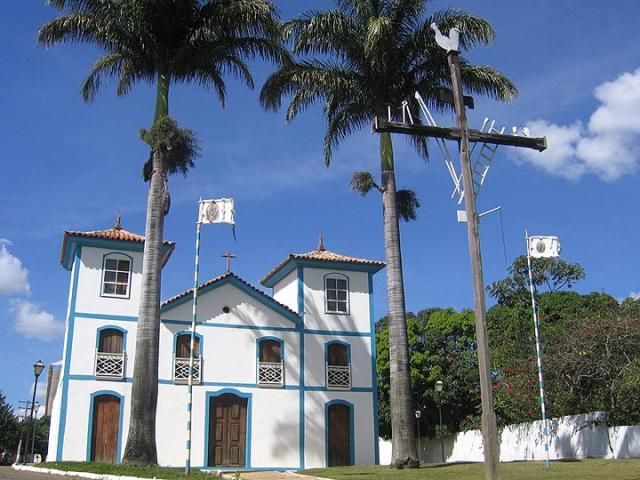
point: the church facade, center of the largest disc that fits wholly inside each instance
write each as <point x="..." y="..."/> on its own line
<point x="285" y="380"/>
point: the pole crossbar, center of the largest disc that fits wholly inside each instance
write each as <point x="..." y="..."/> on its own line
<point x="381" y="125"/>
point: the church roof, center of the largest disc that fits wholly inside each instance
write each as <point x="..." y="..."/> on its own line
<point x="230" y="277"/>
<point x="320" y="255"/>
<point x="117" y="233"/>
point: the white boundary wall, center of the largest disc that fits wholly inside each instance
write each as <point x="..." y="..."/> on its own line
<point x="571" y="437"/>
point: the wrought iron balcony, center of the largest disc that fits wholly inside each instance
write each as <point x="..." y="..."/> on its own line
<point x="110" y="366"/>
<point x="271" y="374"/>
<point x="339" y="377"/>
<point x="181" y="370"/>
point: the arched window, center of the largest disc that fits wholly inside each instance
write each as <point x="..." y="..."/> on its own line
<point x="338" y="365"/>
<point x="181" y="358"/>
<point x="270" y="362"/>
<point x="116" y="275"/>
<point x="110" y="360"/>
<point x="336" y="293"/>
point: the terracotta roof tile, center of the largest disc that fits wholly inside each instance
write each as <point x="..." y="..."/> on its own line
<point x="113" y="234"/>
<point x="109" y="234"/>
<point x="322" y="255"/>
<point x="222" y="277"/>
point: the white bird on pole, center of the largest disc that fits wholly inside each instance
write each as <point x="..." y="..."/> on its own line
<point x="450" y="43"/>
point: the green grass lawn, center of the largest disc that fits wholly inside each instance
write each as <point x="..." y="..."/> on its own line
<point x="578" y="470"/>
<point x="133" y="471"/>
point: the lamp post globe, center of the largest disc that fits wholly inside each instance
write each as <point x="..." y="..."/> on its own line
<point x="439" y="385"/>
<point x="38" y="367"/>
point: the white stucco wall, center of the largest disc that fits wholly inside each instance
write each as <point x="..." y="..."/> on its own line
<point x="271" y="410"/>
<point x="315" y="361"/>
<point x="315" y="317"/>
<point x="229" y="354"/>
<point x="571" y="437"/>
<point x="84" y="344"/>
<point x="244" y="310"/>
<point x="286" y="290"/>
<point x="76" y="428"/>
<point x="315" y="427"/>
<point x="88" y="298"/>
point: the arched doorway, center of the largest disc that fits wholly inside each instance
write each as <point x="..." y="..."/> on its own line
<point x="339" y="420"/>
<point x="227" y="431"/>
<point x="105" y="426"/>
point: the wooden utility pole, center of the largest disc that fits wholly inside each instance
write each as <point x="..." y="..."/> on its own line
<point x="489" y="427"/>
<point x="464" y="136"/>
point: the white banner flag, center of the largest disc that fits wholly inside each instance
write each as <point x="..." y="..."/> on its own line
<point x="217" y="211"/>
<point x="544" y="247"/>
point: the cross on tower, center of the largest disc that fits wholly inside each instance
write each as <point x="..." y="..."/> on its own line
<point x="228" y="256"/>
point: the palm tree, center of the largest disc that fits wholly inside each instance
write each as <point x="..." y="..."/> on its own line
<point x="357" y="59"/>
<point x="163" y="42"/>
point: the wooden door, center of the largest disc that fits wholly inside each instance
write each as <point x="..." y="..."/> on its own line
<point x="339" y="435"/>
<point x="183" y="346"/>
<point x="227" y="431"/>
<point x="269" y="351"/>
<point x="104" y="434"/>
<point x="110" y="341"/>
<point x="338" y="355"/>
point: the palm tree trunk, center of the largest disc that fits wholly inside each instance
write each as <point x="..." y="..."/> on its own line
<point x="402" y="424"/>
<point x="141" y="440"/>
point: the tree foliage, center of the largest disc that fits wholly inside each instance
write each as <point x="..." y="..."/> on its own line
<point x="9" y="426"/>
<point x="12" y="430"/>
<point x="407" y="201"/>
<point x="442" y="347"/>
<point x="591" y="360"/>
<point x="552" y="273"/>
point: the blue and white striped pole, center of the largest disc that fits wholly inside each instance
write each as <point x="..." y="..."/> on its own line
<point x="539" y="356"/>
<point x="187" y="468"/>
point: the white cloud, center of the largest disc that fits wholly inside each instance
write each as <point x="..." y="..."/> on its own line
<point x="33" y="322"/>
<point x="608" y="147"/>
<point x="635" y="295"/>
<point x="13" y="275"/>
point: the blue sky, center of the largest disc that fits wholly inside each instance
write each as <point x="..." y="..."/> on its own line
<point x="71" y="166"/>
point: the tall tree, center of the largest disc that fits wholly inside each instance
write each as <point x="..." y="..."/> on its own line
<point x="552" y="273"/>
<point x="163" y="42"/>
<point x="356" y="60"/>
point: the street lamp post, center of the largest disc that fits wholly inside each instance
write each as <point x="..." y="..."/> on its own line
<point x="418" y="415"/>
<point x="439" y="386"/>
<point x="36" y="406"/>
<point x="37" y="370"/>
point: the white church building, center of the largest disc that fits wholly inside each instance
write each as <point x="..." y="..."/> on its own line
<point x="281" y="381"/>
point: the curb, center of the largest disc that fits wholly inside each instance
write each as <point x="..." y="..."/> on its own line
<point x="96" y="476"/>
<point x="63" y="473"/>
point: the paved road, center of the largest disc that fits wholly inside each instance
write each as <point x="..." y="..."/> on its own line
<point x="8" y="473"/>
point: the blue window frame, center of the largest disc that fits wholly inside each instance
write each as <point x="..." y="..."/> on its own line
<point x="336" y="293"/>
<point x="270" y="362"/>
<point x="116" y="275"/>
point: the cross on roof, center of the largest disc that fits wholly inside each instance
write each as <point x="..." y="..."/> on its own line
<point x="228" y="256"/>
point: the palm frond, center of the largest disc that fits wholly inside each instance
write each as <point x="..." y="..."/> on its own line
<point x="408" y="204"/>
<point x="363" y="183"/>
<point x="487" y="81"/>
<point x="108" y="66"/>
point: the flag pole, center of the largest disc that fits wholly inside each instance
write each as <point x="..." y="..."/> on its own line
<point x="187" y="468"/>
<point x="538" y="355"/>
